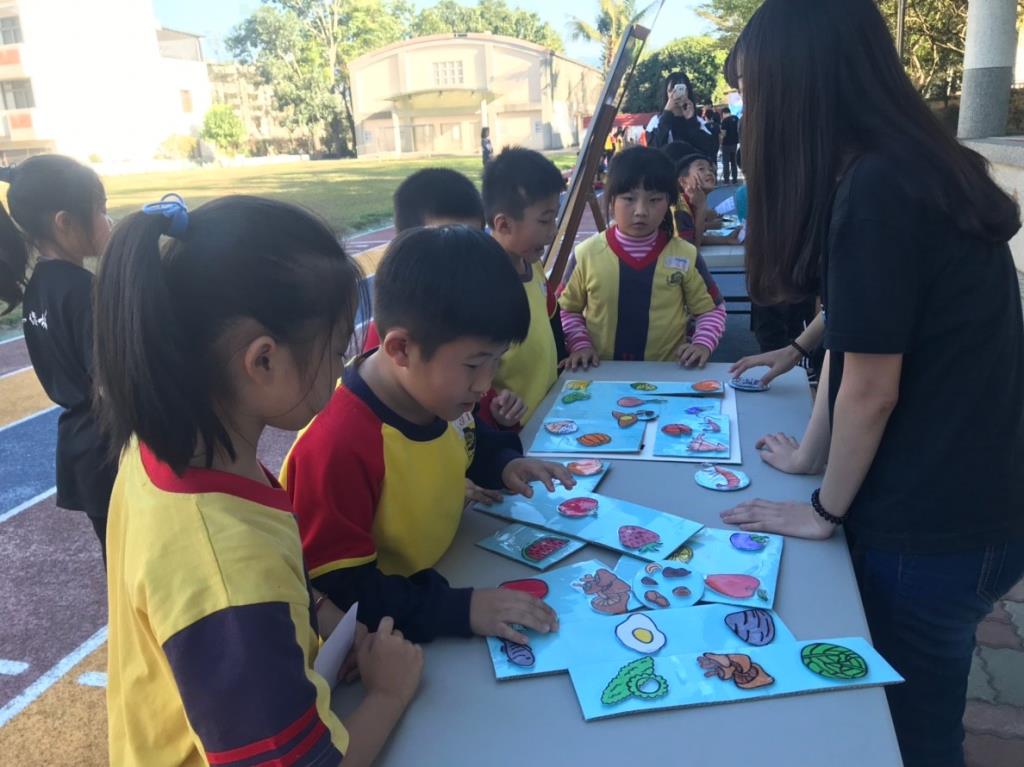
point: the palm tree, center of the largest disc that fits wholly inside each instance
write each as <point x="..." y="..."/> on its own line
<point x="614" y="17"/>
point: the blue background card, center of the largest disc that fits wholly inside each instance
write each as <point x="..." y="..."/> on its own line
<point x="565" y="588"/>
<point x="714" y="675"/>
<point x="536" y="548"/>
<point x="589" y="436"/>
<point x="713" y="553"/>
<point x="591" y="637"/>
<point x="609" y="522"/>
<point x="682" y="432"/>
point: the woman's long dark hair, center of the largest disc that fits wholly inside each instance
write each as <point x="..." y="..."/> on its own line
<point x="822" y="84"/>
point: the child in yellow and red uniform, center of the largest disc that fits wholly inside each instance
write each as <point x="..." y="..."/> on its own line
<point x="212" y="626"/>
<point x="631" y="289"/>
<point x="377" y="479"/>
<point x="521" y="191"/>
<point x="435" y="197"/>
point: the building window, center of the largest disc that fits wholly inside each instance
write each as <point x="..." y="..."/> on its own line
<point x="448" y="73"/>
<point x="17" y="94"/>
<point x="186" y="102"/>
<point x="10" y="30"/>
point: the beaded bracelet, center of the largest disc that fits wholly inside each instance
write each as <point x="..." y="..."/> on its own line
<point x="799" y="348"/>
<point x="820" y="510"/>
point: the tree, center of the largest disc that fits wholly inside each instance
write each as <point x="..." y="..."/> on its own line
<point x="223" y="128"/>
<point x="700" y="57"/>
<point x="302" y="48"/>
<point x="728" y="17"/>
<point x="614" y="17"/>
<point x="486" y="16"/>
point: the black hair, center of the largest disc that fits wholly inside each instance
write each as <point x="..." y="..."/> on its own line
<point x="680" y="77"/>
<point x="641" y="166"/>
<point x="726" y="110"/>
<point x="165" y="309"/>
<point x="813" y="104"/>
<point x="516" y="179"/>
<point x="415" y="289"/>
<point x="41" y="187"/>
<point x="485" y="132"/>
<point x="677" y="150"/>
<point x="684" y="165"/>
<point x="436" y="193"/>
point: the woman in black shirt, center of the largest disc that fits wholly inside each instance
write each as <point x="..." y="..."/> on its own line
<point x="857" y="194"/>
<point x="60" y="208"/>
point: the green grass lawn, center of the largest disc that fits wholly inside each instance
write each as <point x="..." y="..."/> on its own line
<point x="350" y="194"/>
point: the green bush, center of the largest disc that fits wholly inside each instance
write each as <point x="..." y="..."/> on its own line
<point x="223" y="128"/>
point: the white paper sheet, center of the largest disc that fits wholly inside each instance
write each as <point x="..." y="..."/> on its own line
<point x="334" y="651"/>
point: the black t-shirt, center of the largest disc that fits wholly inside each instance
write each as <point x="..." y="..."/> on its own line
<point x="899" y="278"/>
<point x="731" y="126"/>
<point x="57" y="314"/>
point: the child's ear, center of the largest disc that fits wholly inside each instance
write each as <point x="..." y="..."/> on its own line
<point x="397" y="344"/>
<point x="502" y="224"/>
<point x="261" y="359"/>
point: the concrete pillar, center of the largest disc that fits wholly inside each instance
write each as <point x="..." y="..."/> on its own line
<point x="988" y="68"/>
<point x="397" y="130"/>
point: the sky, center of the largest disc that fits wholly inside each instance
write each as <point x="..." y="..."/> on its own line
<point x="214" y="19"/>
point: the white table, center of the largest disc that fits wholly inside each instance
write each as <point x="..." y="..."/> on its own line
<point x="463" y="716"/>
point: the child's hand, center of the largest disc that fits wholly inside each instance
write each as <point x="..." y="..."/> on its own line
<point x="390" y="665"/>
<point x="492" y="612"/>
<point x="693" y="355"/>
<point x="519" y="473"/>
<point x="477" y="494"/>
<point x="779" y="361"/>
<point x="508" y="408"/>
<point x="349" y="671"/>
<point x="584" y="358"/>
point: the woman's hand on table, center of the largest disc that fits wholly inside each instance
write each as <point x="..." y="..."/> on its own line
<point x="782" y="517"/>
<point x="783" y="452"/>
<point x="778" y="362"/>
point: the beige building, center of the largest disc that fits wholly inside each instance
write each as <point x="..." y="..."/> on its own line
<point x="96" y="80"/>
<point x="434" y="94"/>
<point x="241" y="88"/>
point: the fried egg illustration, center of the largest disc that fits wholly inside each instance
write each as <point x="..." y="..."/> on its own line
<point x="639" y="633"/>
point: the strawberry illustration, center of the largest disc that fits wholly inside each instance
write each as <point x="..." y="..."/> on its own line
<point x="639" y="538"/>
<point x="542" y="548"/>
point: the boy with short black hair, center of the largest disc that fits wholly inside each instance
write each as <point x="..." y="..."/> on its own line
<point x="377" y="478"/>
<point x="437" y="196"/>
<point x="521" y="190"/>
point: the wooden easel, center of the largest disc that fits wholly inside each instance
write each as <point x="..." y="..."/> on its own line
<point x="581" y="185"/>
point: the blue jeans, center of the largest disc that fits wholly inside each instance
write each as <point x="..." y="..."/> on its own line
<point x="923" y="611"/>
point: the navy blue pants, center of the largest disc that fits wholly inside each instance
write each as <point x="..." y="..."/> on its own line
<point x="923" y="611"/>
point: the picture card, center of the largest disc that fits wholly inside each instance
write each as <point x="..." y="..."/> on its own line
<point x="594" y="637"/>
<point x="536" y="548"/>
<point x="720" y="674"/>
<point x="628" y="528"/>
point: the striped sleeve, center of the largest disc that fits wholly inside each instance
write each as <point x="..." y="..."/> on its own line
<point x="710" y="328"/>
<point x="249" y="691"/>
<point x="576" y="334"/>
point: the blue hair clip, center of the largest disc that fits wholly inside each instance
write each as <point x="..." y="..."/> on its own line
<point x="171" y="206"/>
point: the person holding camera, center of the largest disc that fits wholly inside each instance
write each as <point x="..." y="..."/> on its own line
<point x="678" y="121"/>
